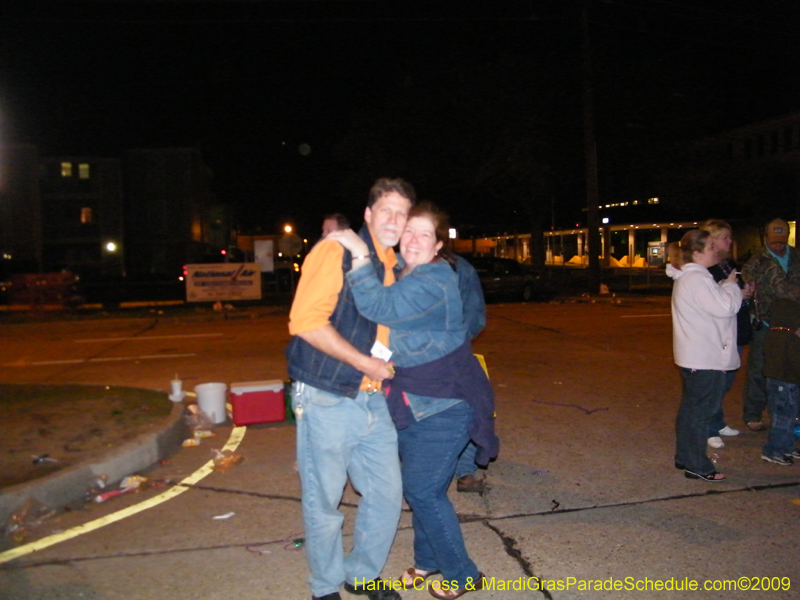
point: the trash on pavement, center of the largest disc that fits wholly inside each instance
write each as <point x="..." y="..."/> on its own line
<point x="127" y="485"/>
<point x="197" y="419"/>
<point x="44" y="458"/>
<point x="225" y="460"/>
<point x="225" y="516"/>
<point x="293" y="542"/>
<point x="32" y="514"/>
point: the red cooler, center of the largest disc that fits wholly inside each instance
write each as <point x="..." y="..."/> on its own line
<point x="257" y="402"/>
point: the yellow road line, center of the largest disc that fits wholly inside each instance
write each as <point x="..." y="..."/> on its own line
<point x="233" y="442"/>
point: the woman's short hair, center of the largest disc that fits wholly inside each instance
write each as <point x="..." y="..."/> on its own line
<point x="691" y="242"/>
<point x="715" y="226"/>
<point x="441" y="225"/>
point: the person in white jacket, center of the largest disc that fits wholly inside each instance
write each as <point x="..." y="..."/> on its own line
<point x="704" y="346"/>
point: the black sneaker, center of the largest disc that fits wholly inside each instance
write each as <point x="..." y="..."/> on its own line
<point x="333" y="596"/>
<point x="783" y="461"/>
<point x="374" y="590"/>
<point x="793" y="454"/>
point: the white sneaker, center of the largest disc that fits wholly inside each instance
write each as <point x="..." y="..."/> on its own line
<point x="716" y="442"/>
<point x="729" y="431"/>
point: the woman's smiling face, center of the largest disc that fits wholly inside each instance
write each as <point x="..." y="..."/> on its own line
<point x="418" y="244"/>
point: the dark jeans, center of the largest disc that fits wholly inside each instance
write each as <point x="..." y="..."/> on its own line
<point x="755" y="388"/>
<point x="702" y="393"/>
<point x="783" y="399"/>
<point x="466" y="462"/>
<point x="429" y="450"/>
<point x="718" y="420"/>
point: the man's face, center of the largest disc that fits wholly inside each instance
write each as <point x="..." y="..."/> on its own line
<point x="778" y="248"/>
<point x="329" y="225"/>
<point x="387" y="218"/>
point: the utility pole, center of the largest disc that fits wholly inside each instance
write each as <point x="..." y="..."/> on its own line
<point x="590" y="151"/>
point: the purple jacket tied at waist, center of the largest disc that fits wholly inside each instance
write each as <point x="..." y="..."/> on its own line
<point x="457" y="375"/>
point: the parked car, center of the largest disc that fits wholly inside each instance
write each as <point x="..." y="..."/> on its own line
<point x="505" y="278"/>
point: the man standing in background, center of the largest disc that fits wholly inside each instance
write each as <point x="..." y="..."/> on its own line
<point x="776" y="273"/>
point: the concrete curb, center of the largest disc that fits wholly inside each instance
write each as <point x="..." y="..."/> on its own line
<point x="70" y="485"/>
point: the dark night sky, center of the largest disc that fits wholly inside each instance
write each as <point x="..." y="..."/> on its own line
<point x="248" y="82"/>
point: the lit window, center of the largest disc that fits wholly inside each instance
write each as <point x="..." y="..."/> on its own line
<point x="83" y="171"/>
<point x="66" y="169"/>
<point x="86" y="215"/>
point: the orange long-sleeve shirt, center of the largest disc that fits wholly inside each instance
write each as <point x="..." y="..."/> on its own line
<point x="318" y="290"/>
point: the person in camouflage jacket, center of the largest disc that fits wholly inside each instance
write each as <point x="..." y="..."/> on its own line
<point x="776" y="273"/>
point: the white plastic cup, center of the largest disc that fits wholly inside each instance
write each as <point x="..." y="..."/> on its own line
<point x="177" y="387"/>
<point x="211" y="400"/>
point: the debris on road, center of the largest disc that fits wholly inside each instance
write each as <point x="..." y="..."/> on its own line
<point x="225" y="460"/>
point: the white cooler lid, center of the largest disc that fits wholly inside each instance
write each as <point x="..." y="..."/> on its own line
<point x="269" y="385"/>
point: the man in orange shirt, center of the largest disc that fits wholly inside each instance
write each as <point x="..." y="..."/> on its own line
<point x="338" y="360"/>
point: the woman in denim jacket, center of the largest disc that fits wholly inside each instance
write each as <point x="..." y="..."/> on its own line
<point x="440" y="396"/>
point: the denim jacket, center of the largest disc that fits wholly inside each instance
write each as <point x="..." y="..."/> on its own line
<point x="311" y="366"/>
<point x="469" y="286"/>
<point x="422" y="310"/>
<point x="424" y="313"/>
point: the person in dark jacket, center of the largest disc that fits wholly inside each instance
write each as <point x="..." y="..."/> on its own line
<point x="776" y="274"/>
<point x="440" y="397"/>
<point x="469" y="284"/>
<point x="782" y="372"/>
<point x="721" y="233"/>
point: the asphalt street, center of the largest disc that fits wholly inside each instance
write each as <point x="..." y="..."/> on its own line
<point x="584" y="493"/>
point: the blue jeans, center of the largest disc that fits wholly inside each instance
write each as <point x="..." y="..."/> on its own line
<point x="466" y="461"/>
<point x="718" y="420"/>
<point x="702" y="392"/>
<point x="339" y="437"/>
<point x="429" y="450"/>
<point x="783" y="399"/>
<point x="755" y="388"/>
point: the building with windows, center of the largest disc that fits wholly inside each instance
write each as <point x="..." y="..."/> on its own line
<point x="105" y="219"/>
<point x="82" y="216"/>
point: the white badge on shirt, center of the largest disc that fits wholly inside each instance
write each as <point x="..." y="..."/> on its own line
<point x="381" y="351"/>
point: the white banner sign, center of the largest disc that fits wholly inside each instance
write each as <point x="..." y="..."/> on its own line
<point x="223" y="281"/>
